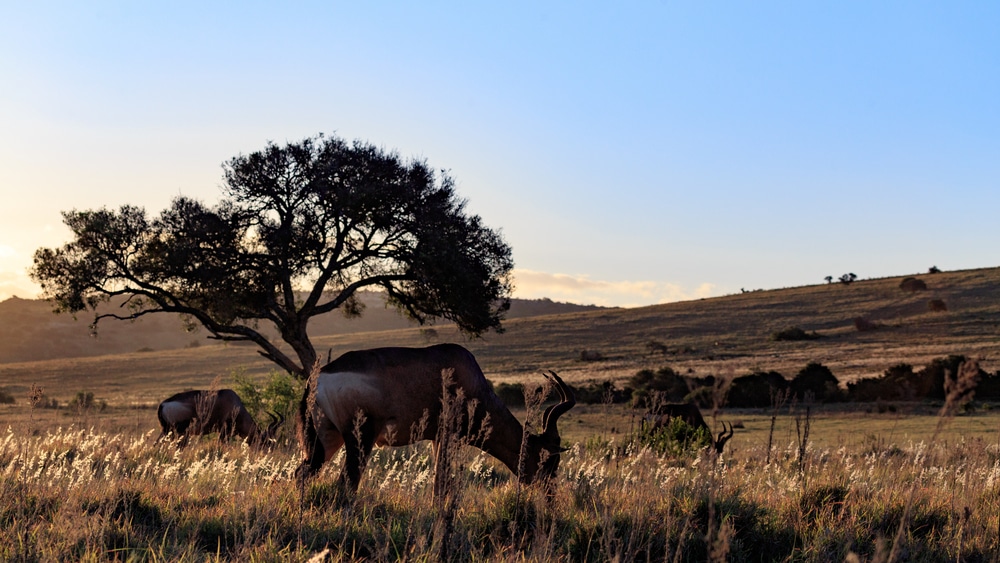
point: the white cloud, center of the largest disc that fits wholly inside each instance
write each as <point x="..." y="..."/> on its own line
<point x="17" y="283"/>
<point x="528" y="285"/>
<point x="581" y="289"/>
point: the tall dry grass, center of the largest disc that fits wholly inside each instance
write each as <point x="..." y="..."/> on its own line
<point x="81" y="494"/>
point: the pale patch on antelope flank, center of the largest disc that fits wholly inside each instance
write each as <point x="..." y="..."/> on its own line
<point x="173" y="410"/>
<point x="339" y="396"/>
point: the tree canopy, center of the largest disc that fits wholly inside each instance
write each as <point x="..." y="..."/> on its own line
<point x="300" y="229"/>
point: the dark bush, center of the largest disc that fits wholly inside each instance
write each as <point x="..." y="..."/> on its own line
<point x="755" y="390"/>
<point x="6" y="398"/>
<point x="599" y="393"/>
<point x="865" y="390"/>
<point x="989" y="386"/>
<point x="794" y="333"/>
<point x="657" y="347"/>
<point x="901" y="383"/>
<point x="929" y="382"/>
<point x="512" y="394"/>
<point x="937" y="305"/>
<point x="895" y="384"/>
<point x="665" y="379"/>
<point x="85" y="401"/>
<point x="665" y="383"/>
<point x="818" y="380"/>
<point x="591" y="356"/>
<point x="864" y="325"/>
<point x="912" y="284"/>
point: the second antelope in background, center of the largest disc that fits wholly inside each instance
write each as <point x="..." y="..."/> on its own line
<point x="661" y="414"/>
<point x="203" y="412"/>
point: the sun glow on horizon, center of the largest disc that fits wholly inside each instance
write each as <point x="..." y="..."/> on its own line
<point x="584" y="290"/>
<point x="529" y="284"/>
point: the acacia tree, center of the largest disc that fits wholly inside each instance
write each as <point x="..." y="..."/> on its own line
<point x="299" y="231"/>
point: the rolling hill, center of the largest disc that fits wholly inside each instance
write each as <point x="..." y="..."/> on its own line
<point x="30" y="331"/>
<point x="728" y="335"/>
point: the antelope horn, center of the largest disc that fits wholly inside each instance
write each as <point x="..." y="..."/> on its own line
<point x="723" y="437"/>
<point x="552" y="414"/>
<point x="276" y="421"/>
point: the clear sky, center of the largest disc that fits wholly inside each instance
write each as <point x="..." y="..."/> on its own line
<point x="631" y="153"/>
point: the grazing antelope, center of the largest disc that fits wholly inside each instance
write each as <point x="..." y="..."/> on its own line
<point x="222" y="411"/>
<point x="660" y="415"/>
<point x="393" y="396"/>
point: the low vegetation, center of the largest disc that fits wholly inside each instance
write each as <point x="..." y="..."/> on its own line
<point x="912" y="284"/>
<point x="80" y="494"/>
<point x="794" y="333"/>
<point x="827" y="462"/>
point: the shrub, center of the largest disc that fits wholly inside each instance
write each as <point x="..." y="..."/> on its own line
<point x="794" y="333"/>
<point x="665" y="383"/>
<point x="818" y="380"/>
<point x="912" y="284"/>
<point x="38" y="399"/>
<point x="6" y="398"/>
<point x="600" y="393"/>
<point x="657" y="347"/>
<point x="84" y="400"/>
<point x="755" y="390"/>
<point x="989" y="386"/>
<point x="674" y="438"/>
<point x="901" y="383"/>
<point x="280" y="393"/>
<point x="591" y="356"/>
<point x="512" y="394"/>
<point x="929" y="382"/>
<point x="937" y="305"/>
<point x="895" y="384"/>
<point x="864" y="325"/>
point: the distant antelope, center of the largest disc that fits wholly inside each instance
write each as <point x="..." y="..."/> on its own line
<point x="393" y="396"/>
<point x="660" y="415"/>
<point x="222" y="411"/>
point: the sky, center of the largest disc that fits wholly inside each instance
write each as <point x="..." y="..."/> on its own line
<point x="630" y="153"/>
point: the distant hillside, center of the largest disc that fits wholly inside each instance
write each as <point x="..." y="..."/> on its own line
<point x="30" y="331"/>
<point x="727" y="336"/>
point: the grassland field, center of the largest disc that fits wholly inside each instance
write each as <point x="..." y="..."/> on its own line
<point x="867" y="484"/>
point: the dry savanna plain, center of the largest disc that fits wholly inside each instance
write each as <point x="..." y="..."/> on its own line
<point x="799" y="481"/>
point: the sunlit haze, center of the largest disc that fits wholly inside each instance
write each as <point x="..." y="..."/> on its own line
<point x="631" y="154"/>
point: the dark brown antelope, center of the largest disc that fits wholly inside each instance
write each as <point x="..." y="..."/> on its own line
<point x="203" y="412"/>
<point x="660" y="415"/>
<point x="394" y="396"/>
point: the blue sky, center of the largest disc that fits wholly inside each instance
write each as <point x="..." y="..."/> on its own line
<point x="630" y="155"/>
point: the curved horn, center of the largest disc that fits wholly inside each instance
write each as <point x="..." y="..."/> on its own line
<point x="552" y="414"/>
<point x="276" y="421"/>
<point x="720" y="442"/>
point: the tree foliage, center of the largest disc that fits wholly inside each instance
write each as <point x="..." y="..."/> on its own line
<point x="299" y="231"/>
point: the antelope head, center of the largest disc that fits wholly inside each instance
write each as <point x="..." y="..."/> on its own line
<point x="541" y="451"/>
